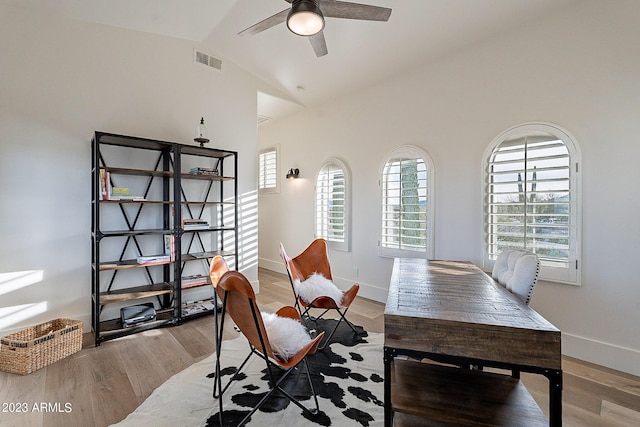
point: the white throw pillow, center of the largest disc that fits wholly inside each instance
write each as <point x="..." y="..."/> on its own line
<point x="316" y="286"/>
<point x="287" y="336"/>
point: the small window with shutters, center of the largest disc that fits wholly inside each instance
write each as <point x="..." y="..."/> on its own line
<point x="333" y="205"/>
<point x="532" y="199"/>
<point x="406" y="185"/>
<point x="268" y="180"/>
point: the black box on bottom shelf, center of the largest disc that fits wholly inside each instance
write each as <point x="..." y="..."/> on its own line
<point x="136" y="314"/>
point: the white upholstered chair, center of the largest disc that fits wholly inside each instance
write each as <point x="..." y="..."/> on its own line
<point x="517" y="270"/>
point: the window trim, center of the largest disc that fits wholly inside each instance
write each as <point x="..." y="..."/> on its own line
<point x="344" y="246"/>
<point x="276" y="189"/>
<point x="572" y="274"/>
<point x="410" y="151"/>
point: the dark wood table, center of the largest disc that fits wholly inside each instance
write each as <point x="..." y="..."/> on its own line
<point x="452" y="312"/>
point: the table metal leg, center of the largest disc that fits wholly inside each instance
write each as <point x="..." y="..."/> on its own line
<point x="388" y="410"/>
<point x="555" y="397"/>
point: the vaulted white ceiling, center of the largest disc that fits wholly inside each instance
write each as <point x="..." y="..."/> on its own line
<point x="360" y="52"/>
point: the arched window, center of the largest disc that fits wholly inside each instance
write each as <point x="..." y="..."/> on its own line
<point x="406" y="185"/>
<point x="333" y="203"/>
<point x="532" y="198"/>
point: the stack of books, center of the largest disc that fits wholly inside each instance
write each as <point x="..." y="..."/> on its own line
<point x="154" y="259"/>
<point x="194" y="224"/>
<point x="194" y="281"/>
<point x="197" y="307"/>
<point x="204" y="171"/>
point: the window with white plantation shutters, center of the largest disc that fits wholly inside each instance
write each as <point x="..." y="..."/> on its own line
<point x="268" y="181"/>
<point x="531" y="199"/>
<point x="406" y="185"/>
<point x="332" y="205"/>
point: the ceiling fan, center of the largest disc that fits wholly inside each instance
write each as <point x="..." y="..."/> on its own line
<point x="306" y="18"/>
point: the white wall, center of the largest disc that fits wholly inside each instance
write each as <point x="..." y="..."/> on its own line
<point x="61" y="81"/>
<point x="580" y="70"/>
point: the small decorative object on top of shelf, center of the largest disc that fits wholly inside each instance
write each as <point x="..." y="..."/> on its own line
<point x="157" y="220"/>
<point x="201" y="133"/>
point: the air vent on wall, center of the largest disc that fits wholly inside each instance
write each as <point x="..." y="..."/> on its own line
<point x="208" y="60"/>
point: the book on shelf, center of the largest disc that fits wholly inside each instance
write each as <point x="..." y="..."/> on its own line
<point x="132" y="198"/>
<point x="194" y="221"/>
<point x="194" y="224"/>
<point x="202" y="255"/>
<point x="204" y="171"/>
<point x="154" y="259"/>
<point x="105" y="185"/>
<point x="122" y="193"/>
<point x="170" y="246"/>
<point x="196" y="307"/>
<point x="195" y="227"/>
<point x="194" y="281"/>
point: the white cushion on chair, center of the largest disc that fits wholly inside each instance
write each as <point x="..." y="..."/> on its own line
<point x="287" y="336"/>
<point x="524" y="277"/>
<point x="316" y="286"/>
<point x="517" y="270"/>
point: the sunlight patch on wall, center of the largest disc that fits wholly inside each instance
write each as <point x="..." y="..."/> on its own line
<point x="247" y="229"/>
<point x="15" y="314"/>
<point x="13" y="281"/>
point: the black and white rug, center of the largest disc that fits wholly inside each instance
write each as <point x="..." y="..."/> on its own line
<point x="347" y="377"/>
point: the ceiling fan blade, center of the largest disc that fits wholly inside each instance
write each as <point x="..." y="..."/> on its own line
<point x="319" y="44"/>
<point x="342" y="9"/>
<point x="272" y="21"/>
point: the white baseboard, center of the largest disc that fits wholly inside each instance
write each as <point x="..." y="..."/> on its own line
<point x="601" y="353"/>
<point x="277" y="266"/>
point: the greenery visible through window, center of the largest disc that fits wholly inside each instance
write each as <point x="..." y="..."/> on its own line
<point x="405" y="207"/>
<point x="268" y="170"/>
<point x="530" y="202"/>
<point x="332" y="213"/>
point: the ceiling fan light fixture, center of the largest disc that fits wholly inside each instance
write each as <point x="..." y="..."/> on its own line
<point x="305" y="18"/>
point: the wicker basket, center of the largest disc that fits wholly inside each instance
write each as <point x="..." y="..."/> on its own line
<point x="33" y="348"/>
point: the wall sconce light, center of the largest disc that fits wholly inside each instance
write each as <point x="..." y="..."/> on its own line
<point x="201" y="133"/>
<point x="293" y="173"/>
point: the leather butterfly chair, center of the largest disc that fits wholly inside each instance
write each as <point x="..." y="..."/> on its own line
<point x="239" y="301"/>
<point x="315" y="259"/>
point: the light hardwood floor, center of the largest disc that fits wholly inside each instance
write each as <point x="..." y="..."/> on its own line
<point x="100" y="386"/>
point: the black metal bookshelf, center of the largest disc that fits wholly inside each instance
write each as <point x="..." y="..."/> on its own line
<point x="150" y="222"/>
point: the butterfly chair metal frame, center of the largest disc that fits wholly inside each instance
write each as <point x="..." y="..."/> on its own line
<point x="240" y="302"/>
<point x="217" y="268"/>
<point x="315" y="259"/>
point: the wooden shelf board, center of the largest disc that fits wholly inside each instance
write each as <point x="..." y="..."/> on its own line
<point x="125" y="233"/>
<point x="138" y="292"/>
<point x="111" y="329"/>
<point x="143" y="172"/>
<point x="198" y="285"/>
<point x="447" y="395"/>
<point x="157" y="202"/>
<point x="130" y="263"/>
<point x="191" y="257"/>
<point x="206" y="177"/>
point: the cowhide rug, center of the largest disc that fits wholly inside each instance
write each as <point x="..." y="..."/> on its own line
<point x="347" y="377"/>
